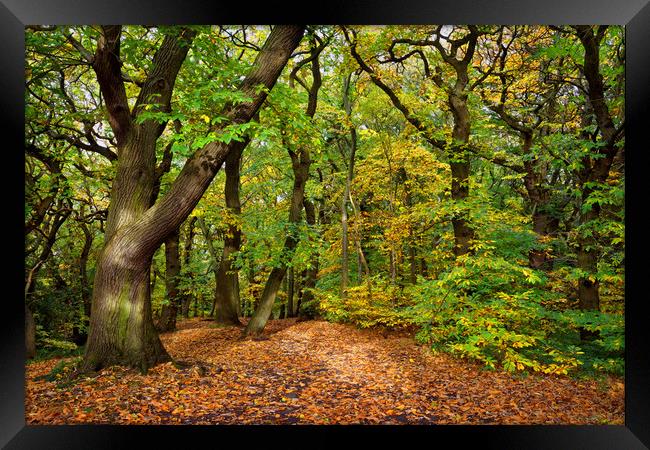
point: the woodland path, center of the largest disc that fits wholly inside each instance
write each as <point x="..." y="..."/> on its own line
<point x="315" y="372"/>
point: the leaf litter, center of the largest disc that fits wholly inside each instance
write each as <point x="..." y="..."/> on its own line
<point x="312" y="372"/>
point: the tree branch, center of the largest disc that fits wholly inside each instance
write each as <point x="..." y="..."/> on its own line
<point x="417" y="123"/>
<point x="108" y="68"/>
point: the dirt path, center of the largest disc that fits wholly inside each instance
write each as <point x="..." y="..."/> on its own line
<point x="315" y="372"/>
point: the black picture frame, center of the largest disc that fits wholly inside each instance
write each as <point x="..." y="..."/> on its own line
<point x="634" y="14"/>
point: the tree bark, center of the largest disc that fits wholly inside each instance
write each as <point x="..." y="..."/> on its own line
<point x="224" y="312"/>
<point x="121" y="328"/>
<point x="460" y="165"/>
<point x="285" y="288"/>
<point x="412" y="264"/>
<point x="544" y="224"/>
<point x="363" y="262"/>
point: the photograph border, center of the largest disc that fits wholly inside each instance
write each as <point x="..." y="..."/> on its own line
<point x="634" y="14"/>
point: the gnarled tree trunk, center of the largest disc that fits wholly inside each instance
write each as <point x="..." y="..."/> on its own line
<point x="121" y="328"/>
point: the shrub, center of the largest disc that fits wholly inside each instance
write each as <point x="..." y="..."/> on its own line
<point x="377" y="303"/>
<point x="491" y="310"/>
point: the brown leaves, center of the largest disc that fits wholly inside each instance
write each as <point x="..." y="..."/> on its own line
<point x="314" y="372"/>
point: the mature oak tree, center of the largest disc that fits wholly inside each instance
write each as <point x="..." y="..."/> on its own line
<point x="121" y="327"/>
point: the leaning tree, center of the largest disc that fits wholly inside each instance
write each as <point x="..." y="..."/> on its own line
<point x="121" y="327"/>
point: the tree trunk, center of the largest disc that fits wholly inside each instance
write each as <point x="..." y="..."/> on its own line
<point x="363" y="262"/>
<point x="250" y="277"/>
<point x="282" y="313"/>
<point x="543" y="225"/>
<point x="186" y="298"/>
<point x="121" y="328"/>
<point x="301" y="292"/>
<point x="261" y="315"/>
<point x="424" y="270"/>
<point x="300" y="163"/>
<point x="588" y="289"/>
<point x="223" y="310"/>
<point x="595" y="169"/>
<point x="310" y="274"/>
<point x="227" y="302"/>
<point x="345" y="271"/>
<point x="460" y="169"/>
<point x="30" y="333"/>
<point x="587" y="261"/>
<point x="216" y="263"/>
<point x="172" y="271"/>
<point x="290" y="292"/>
<point x="79" y="337"/>
<point x="412" y="264"/>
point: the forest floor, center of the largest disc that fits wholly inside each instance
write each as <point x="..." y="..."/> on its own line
<point x="313" y="372"/>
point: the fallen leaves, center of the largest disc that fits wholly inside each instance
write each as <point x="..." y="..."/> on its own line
<point x="314" y="372"/>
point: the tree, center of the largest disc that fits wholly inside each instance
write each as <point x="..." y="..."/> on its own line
<point x="121" y="329"/>
<point x="596" y="166"/>
<point x="227" y="300"/>
<point x="186" y="298"/>
<point x="352" y="145"/>
<point x="457" y="95"/>
<point x="528" y="108"/>
<point x="167" y="321"/>
<point x="300" y="162"/>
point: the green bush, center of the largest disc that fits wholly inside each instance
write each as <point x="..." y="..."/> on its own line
<point x="367" y="305"/>
<point x="493" y="311"/>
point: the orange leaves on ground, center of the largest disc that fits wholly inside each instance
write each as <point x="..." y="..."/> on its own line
<point x="314" y="372"/>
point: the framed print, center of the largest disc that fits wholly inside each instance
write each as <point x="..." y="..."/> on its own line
<point x="425" y="227"/>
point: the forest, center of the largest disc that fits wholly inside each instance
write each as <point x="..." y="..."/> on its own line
<point x="324" y="224"/>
